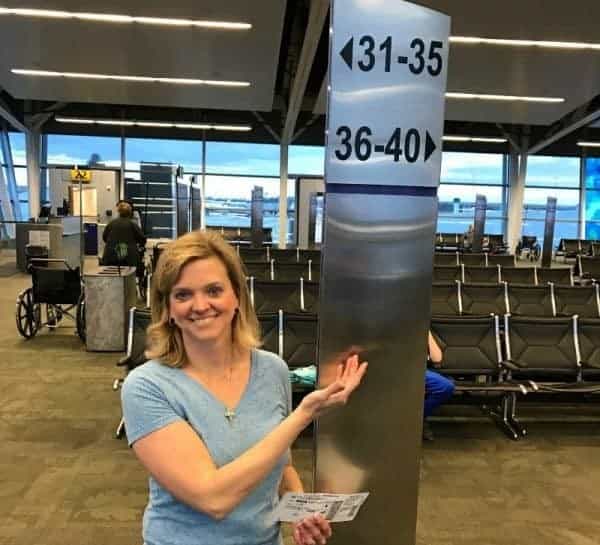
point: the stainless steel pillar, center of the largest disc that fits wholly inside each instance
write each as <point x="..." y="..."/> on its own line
<point x="479" y="223"/>
<point x="256" y="217"/>
<point x="388" y="65"/>
<point x="312" y="220"/>
<point x="549" y="232"/>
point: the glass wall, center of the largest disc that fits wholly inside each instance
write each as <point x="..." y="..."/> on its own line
<point x="70" y="150"/>
<point x="463" y="177"/>
<point x="592" y="198"/>
<point x="552" y="177"/>
<point x="19" y="161"/>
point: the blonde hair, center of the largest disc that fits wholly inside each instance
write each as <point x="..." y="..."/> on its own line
<point x="124" y="210"/>
<point x="165" y="342"/>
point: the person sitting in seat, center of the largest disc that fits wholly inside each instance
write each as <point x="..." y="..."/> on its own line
<point x="124" y="231"/>
<point x="438" y="389"/>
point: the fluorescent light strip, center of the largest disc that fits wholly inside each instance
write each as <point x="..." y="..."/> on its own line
<point x="456" y="138"/>
<point x="138" y="79"/>
<point x="589" y="144"/>
<point x="157" y="124"/>
<point x="506" y="98"/>
<point x="116" y="18"/>
<point x="472" y="40"/>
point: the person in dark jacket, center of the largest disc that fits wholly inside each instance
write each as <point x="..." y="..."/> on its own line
<point x="122" y="230"/>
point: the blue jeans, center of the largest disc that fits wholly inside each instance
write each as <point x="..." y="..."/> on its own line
<point x="438" y="390"/>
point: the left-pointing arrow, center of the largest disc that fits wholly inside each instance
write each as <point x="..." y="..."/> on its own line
<point x="346" y="53"/>
<point x="430" y="146"/>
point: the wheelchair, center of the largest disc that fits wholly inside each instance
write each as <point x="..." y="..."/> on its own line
<point x="57" y="291"/>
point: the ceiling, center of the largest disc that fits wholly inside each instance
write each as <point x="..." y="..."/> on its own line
<point x="145" y="50"/>
<point x="267" y="56"/>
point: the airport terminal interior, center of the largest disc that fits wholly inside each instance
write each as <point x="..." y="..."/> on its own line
<point x="212" y="116"/>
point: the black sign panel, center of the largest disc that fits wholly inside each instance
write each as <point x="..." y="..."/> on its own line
<point x="479" y="223"/>
<point x="256" y="219"/>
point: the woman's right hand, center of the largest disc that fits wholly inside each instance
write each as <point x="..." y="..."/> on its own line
<point x="348" y="377"/>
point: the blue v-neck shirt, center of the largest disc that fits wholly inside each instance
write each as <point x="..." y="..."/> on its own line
<point x="155" y="395"/>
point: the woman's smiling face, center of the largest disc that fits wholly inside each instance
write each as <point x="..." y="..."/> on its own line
<point x="202" y="302"/>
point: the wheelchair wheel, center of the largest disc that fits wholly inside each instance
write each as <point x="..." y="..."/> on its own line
<point x="80" y="317"/>
<point x="29" y="314"/>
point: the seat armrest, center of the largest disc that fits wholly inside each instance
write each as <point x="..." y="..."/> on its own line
<point x="588" y="365"/>
<point x="125" y="360"/>
<point x="512" y="365"/>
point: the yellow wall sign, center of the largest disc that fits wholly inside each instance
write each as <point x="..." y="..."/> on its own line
<point x="83" y="176"/>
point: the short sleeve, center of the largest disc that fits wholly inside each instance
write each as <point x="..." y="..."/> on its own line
<point x="145" y="407"/>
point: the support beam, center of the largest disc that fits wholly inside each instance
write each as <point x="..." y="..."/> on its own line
<point x="517" y="173"/>
<point x="578" y="118"/>
<point x="7" y="114"/>
<point x="33" y="146"/>
<point x="267" y="127"/>
<point x="283" y="182"/>
<point x="6" y="209"/>
<point x="11" y="181"/>
<point x="316" y="20"/>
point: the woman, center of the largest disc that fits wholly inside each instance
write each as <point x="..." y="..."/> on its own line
<point x="122" y="230"/>
<point x="210" y="415"/>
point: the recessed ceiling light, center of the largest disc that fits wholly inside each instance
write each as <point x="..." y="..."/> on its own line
<point x="116" y="18"/>
<point x="139" y="79"/>
<point x="507" y="98"/>
<point x="456" y="138"/>
<point x="157" y="124"/>
<point x="589" y="144"/>
<point x="472" y="40"/>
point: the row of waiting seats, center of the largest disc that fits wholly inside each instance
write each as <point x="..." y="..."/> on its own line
<point x="284" y="271"/>
<point x="481" y="259"/>
<point x="456" y="241"/>
<point x="281" y="255"/>
<point x="292" y="336"/>
<point x="529" y="356"/>
<point x="461" y="299"/>
<point x="497" y="274"/>
<point x="297" y="296"/>
<point x="573" y="247"/>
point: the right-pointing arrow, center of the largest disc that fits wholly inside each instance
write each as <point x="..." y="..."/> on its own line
<point x="346" y="53"/>
<point x="430" y="146"/>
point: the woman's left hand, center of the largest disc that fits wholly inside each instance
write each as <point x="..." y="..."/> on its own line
<point x="313" y="530"/>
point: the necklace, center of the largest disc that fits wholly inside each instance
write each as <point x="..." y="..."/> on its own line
<point x="229" y="414"/>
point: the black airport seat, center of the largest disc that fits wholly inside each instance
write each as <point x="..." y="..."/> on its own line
<point x="253" y="254"/>
<point x="444" y="299"/>
<point x="502" y="260"/>
<point x="269" y="329"/>
<point x="473" y="260"/>
<point x="274" y="295"/>
<point x="60" y="286"/>
<point x="589" y="267"/>
<point x="290" y="271"/>
<point x="300" y="339"/>
<point x="481" y="275"/>
<point x="470" y="346"/>
<point x="526" y="300"/>
<point x="569" y="247"/>
<point x="449" y="259"/>
<point x="580" y="300"/>
<point x="139" y="320"/>
<point x="588" y="334"/>
<point x="261" y="270"/>
<point x="558" y="276"/>
<point x="596" y="249"/>
<point x="312" y="255"/>
<point x="541" y="348"/>
<point x="518" y="275"/>
<point x="285" y="255"/>
<point x="585" y="247"/>
<point x="447" y="274"/>
<point x="482" y="299"/>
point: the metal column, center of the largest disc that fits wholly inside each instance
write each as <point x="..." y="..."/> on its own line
<point x="383" y="160"/>
<point x="11" y="181"/>
<point x="283" y="184"/>
<point x="549" y="232"/>
<point x="33" y="143"/>
<point x="517" y="169"/>
<point x="256" y="217"/>
<point x="479" y="223"/>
